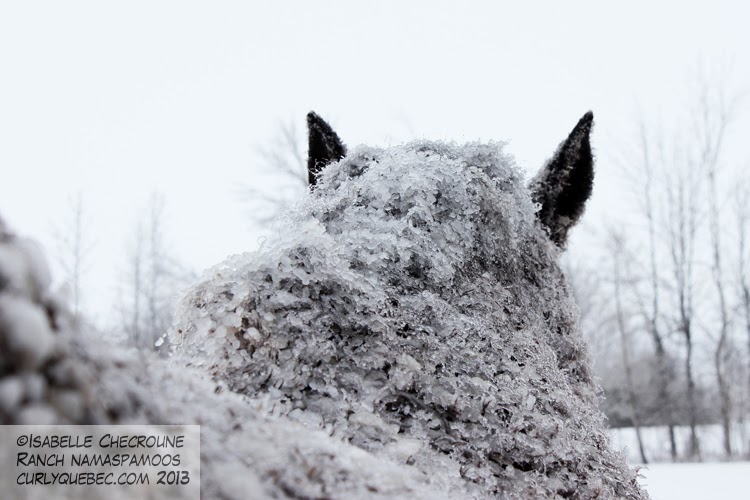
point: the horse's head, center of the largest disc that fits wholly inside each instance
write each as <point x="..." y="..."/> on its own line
<point x="414" y="301"/>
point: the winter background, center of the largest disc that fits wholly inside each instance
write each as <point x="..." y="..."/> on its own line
<point x="143" y="143"/>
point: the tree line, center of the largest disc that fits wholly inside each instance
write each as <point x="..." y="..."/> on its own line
<point x="150" y="280"/>
<point x="664" y="295"/>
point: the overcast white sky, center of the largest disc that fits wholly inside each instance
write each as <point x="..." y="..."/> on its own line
<point x="116" y="99"/>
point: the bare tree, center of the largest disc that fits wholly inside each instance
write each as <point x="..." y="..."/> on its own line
<point x="588" y="289"/>
<point x="155" y="295"/>
<point x="74" y="250"/>
<point x="742" y="202"/>
<point x="132" y="312"/>
<point x="640" y="168"/>
<point x="742" y="214"/>
<point x="683" y="189"/>
<point x="713" y="118"/>
<point x="154" y="279"/>
<point x="617" y="244"/>
<point x="282" y="177"/>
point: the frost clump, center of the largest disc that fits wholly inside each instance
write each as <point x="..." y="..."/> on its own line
<point x="414" y="307"/>
<point x="35" y="382"/>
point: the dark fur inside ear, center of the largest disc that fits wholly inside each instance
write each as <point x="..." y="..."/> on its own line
<point x="324" y="147"/>
<point x="565" y="182"/>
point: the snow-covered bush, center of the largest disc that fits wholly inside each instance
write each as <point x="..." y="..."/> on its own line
<point x="413" y="305"/>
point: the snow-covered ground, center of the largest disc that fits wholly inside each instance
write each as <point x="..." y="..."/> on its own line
<point x="684" y="481"/>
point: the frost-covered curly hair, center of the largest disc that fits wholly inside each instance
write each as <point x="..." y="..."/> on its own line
<point x="413" y="305"/>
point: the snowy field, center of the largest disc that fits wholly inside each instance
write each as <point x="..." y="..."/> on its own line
<point x="686" y="481"/>
<point x="705" y="481"/>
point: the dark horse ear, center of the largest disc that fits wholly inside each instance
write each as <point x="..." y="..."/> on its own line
<point x="324" y="147"/>
<point x="564" y="184"/>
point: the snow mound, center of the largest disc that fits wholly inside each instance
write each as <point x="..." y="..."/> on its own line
<point x="413" y="306"/>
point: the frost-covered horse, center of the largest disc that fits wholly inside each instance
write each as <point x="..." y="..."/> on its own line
<point x="413" y="306"/>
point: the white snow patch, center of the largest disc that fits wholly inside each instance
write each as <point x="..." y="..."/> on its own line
<point x="697" y="481"/>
